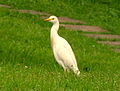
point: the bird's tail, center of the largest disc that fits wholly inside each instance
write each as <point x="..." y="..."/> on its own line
<point x="76" y="71"/>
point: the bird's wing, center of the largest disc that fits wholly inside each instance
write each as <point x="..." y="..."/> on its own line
<point x="66" y="51"/>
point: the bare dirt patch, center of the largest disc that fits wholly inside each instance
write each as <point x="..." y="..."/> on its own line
<point x="103" y="36"/>
<point x="70" y="20"/>
<point x="84" y="28"/>
<point x="44" y="17"/>
<point x="115" y="43"/>
<point x="117" y="50"/>
<point x="32" y="12"/>
<point x="5" y="6"/>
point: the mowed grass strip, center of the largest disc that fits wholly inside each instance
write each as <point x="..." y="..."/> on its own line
<point x="27" y="62"/>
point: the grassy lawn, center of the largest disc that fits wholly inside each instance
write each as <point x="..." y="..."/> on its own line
<point x="104" y="13"/>
<point x="26" y="59"/>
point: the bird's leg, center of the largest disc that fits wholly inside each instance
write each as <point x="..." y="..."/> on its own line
<point x="65" y="70"/>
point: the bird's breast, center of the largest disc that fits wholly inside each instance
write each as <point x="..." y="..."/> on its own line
<point x="52" y="42"/>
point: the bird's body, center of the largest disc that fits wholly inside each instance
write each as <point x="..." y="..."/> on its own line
<point x="61" y="49"/>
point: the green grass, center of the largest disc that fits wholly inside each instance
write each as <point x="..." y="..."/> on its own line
<point x="104" y="13"/>
<point x="27" y="62"/>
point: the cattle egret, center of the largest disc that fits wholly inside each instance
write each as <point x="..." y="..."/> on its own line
<point x="61" y="49"/>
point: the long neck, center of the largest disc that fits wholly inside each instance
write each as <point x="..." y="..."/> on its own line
<point x="54" y="33"/>
<point x="54" y="30"/>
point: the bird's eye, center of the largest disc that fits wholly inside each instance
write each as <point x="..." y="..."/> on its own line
<point x="53" y="18"/>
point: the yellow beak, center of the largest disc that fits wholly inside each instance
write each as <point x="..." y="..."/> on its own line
<point x="48" y="19"/>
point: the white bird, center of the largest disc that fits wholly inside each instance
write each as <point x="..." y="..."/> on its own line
<point x="61" y="49"/>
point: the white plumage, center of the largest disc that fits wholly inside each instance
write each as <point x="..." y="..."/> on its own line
<point x="61" y="49"/>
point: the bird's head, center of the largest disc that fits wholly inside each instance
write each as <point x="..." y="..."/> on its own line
<point x="52" y="19"/>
